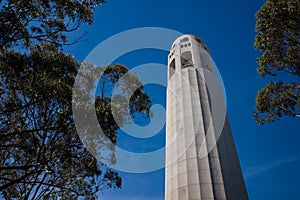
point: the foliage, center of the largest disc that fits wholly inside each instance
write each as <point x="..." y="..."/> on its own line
<point x="139" y="103"/>
<point x="41" y="155"/>
<point x="119" y="100"/>
<point x="27" y="22"/>
<point x="278" y="27"/>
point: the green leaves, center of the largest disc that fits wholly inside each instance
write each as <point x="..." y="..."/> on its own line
<point x="277" y="100"/>
<point x="278" y="37"/>
<point x="37" y="130"/>
<point x="278" y="33"/>
<point x="41" y="154"/>
<point x="25" y="23"/>
<point x="37" y="127"/>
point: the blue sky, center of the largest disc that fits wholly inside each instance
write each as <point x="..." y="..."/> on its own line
<point x="269" y="154"/>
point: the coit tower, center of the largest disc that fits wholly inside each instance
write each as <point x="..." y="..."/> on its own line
<point x="201" y="159"/>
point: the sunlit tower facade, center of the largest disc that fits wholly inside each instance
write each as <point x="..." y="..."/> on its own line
<point x="201" y="159"/>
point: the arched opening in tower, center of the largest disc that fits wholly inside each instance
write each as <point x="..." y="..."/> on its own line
<point x="172" y="68"/>
<point x="186" y="59"/>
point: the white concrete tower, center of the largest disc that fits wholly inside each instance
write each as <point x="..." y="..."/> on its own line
<point x="201" y="159"/>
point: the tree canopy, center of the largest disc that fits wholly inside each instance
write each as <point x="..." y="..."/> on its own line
<point x="28" y="22"/>
<point x="278" y="40"/>
<point x="41" y="154"/>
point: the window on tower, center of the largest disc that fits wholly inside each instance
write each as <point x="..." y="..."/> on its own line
<point x="198" y="40"/>
<point x="185" y="39"/>
<point x="186" y="59"/>
<point x="172" y="68"/>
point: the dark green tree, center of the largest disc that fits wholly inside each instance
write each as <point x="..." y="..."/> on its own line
<point x="278" y="40"/>
<point x="41" y="154"/>
<point x="27" y="22"/>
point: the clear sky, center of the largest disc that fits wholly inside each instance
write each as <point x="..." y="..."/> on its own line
<point x="269" y="154"/>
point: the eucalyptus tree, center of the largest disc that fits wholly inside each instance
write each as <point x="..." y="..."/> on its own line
<point x="41" y="154"/>
<point x="277" y="39"/>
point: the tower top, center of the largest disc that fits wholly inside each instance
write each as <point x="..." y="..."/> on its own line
<point x="190" y="38"/>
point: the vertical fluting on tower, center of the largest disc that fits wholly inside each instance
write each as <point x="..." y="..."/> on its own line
<point x="200" y="157"/>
